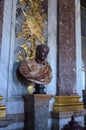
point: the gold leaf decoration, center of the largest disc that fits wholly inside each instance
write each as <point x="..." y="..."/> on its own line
<point x="32" y="27"/>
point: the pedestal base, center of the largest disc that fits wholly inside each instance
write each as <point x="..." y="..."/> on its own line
<point x="67" y="103"/>
<point x="64" y="107"/>
<point x="2" y="109"/>
<point x="36" y="111"/>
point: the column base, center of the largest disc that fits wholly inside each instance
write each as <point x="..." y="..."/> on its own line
<point x="2" y="109"/>
<point x="67" y="103"/>
<point x="64" y="107"/>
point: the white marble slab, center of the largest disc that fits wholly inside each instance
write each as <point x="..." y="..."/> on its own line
<point x="79" y="74"/>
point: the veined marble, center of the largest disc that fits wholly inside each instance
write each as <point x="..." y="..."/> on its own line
<point x="12" y="92"/>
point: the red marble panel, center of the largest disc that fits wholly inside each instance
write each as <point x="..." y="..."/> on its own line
<point x="66" y="47"/>
<point x="1" y="19"/>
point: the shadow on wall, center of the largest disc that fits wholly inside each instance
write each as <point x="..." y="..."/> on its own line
<point x="17" y="77"/>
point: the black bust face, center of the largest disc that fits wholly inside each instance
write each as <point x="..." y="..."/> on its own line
<point x="42" y="52"/>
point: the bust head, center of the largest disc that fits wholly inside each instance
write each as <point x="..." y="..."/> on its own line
<point x="42" y="52"/>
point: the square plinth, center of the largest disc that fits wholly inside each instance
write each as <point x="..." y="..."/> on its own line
<point x="36" y="111"/>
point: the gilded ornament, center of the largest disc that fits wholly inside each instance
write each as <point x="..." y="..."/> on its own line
<point x="25" y="52"/>
<point x="32" y="27"/>
<point x="67" y="103"/>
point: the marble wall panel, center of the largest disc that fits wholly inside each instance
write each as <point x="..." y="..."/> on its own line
<point x="1" y="20"/>
<point x="79" y="73"/>
<point x="10" y="87"/>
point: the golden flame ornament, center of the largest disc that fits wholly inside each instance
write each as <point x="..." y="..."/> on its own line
<point x="32" y="27"/>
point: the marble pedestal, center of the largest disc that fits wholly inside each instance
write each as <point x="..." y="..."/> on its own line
<point x="36" y="111"/>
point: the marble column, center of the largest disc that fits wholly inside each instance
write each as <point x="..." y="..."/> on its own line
<point x="66" y="47"/>
<point x="67" y="100"/>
